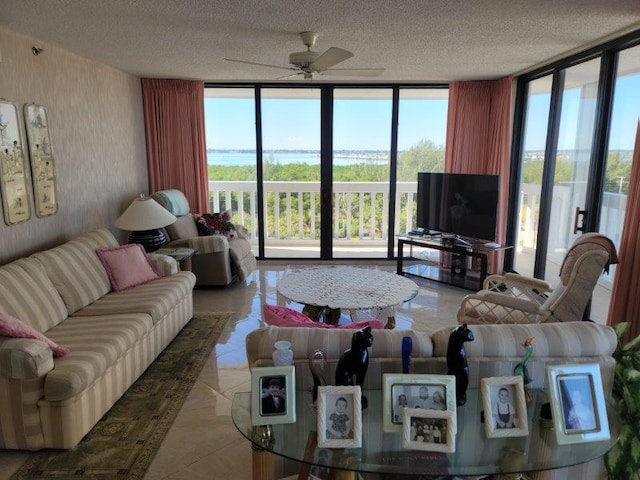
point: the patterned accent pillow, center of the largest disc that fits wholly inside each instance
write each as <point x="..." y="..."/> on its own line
<point x="13" y="327"/>
<point x="281" y="316"/>
<point x="127" y="266"/>
<point x="216" y="224"/>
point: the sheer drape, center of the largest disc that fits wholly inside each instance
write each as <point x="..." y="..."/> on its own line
<point x="176" y="149"/>
<point x="625" y="298"/>
<point x="479" y="138"/>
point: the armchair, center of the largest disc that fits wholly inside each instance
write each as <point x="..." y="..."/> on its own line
<point x="218" y="260"/>
<point x="513" y="298"/>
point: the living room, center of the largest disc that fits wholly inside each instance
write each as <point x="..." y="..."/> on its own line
<point x="97" y="120"/>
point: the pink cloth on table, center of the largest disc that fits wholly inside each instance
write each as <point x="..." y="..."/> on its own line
<point x="280" y="316"/>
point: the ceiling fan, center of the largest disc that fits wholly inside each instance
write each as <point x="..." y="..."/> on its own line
<point x="309" y="62"/>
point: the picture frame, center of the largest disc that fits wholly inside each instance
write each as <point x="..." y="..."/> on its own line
<point x="578" y="405"/>
<point x="433" y="392"/>
<point x="430" y="430"/>
<point x="339" y="417"/>
<point x="273" y="395"/>
<point x="43" y="166"/>
<point x="14" y="176"/>
<point x="505" y="407"/>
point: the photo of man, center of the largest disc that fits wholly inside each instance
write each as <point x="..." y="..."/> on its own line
<point x="274" y="402"/>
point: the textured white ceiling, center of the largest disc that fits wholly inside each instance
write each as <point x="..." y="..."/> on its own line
<point x="414" y="40"/>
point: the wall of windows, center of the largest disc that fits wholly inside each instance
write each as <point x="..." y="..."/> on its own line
<point x="322" y="171"/>
<point x="573" y="137"/>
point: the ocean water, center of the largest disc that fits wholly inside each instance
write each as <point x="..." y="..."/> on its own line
<point x="242" y="159"/>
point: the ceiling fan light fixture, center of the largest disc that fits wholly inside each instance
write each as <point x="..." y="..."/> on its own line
<point x="303" y="59"/>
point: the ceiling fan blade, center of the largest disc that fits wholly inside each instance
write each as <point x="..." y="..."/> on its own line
<point x="260" y="64"/>
<point x="331" y="57"/>
<point x="354" y="72"/>
<point x="290" y="75"/>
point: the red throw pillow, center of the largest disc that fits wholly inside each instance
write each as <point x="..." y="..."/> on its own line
<point x="15" y="328"/>
<point x="127" y="266"/>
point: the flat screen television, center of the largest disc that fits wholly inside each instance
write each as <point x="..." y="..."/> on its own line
<point x="458" y="204"/>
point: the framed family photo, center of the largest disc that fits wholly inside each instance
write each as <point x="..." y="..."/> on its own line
<point x="431" y="430"/>
<point x="273" y="391"/>
<point x="431" y="392"/>
<point x="577" y="403"/>
<point x="339" y="417"/>
<point x="505" y="407"/>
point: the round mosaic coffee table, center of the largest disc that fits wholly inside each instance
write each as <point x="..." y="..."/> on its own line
<point x="338" y="288"/>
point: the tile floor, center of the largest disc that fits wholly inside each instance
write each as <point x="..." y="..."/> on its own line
<point x="203" y="443"/>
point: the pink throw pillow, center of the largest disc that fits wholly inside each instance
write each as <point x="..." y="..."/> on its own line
<point x="127" y="266"/>
<point x="12" y="327"/>
<point x="280" y="316"/>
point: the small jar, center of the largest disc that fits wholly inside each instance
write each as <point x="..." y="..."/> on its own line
<point x="282" y="355"/>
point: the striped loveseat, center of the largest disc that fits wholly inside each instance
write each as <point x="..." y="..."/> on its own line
<point x="65" y="293"/>
<point x="495" y="351"/>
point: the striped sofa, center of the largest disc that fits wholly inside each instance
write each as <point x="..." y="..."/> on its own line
<point x="65" y="293"/>
<point x="495" y="351"/>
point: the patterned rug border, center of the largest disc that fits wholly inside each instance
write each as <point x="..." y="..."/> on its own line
<point x="31" y="470"/>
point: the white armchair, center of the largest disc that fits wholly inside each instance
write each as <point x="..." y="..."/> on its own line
<point x="513" y="298"/>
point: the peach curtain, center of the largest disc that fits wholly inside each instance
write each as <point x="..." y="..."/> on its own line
<point x="479" y="138"/>
<point x="176" y="148"/>
<point x="625" y="298"/>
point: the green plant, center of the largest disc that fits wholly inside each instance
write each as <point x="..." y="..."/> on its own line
<point x="623" y="460"/>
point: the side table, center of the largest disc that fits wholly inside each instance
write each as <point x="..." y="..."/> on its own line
<point x="182" y="255"/>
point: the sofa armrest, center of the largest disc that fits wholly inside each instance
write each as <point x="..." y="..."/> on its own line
<point x="164" y="264"/>
<point x="24" y="358"/>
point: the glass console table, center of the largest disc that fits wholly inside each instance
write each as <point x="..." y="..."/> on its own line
<point x="455" y="261"/>
<point x="382" y="452"/>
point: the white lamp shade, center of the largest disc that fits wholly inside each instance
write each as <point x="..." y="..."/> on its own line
<point x="144" y="213"/>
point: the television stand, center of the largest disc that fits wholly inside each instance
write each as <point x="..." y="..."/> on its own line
<point x="446" y="259"/>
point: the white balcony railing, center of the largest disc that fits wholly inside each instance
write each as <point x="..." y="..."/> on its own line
<point x="361" y="219"/>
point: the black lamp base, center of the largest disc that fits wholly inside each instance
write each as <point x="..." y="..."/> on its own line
<point x="151" y="240"/>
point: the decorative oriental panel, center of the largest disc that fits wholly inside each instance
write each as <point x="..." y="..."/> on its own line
<point x="42" y="163"/>
<point x="13" y="174"/>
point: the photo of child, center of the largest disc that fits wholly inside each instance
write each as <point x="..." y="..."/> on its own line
<point x="503" y="411"/>
<point x="339" y="424"/>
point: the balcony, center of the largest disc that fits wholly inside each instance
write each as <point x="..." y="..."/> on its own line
<point x="361" y="225"/>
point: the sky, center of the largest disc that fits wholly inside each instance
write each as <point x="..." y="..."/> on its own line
<point x="365" y="124"/>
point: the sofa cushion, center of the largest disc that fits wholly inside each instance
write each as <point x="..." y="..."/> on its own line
<point x="75" y="269"/>
<point x="127" y="266"/>
<point x="560" y="339"/>
<point x="173" y="200"/>
<point x="155" y="298"/>
<point x="13" y="327"/>
<point x="95" y="343"/>
<point x="27" y="293"/>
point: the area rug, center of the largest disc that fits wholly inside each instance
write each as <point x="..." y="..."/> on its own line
<point x="123" y="443"/>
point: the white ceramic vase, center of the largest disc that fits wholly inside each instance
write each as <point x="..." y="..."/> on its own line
<point x="282" y="355"/>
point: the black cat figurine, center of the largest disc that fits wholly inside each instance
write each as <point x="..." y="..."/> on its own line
<point x="354" y="361"/>
<point x="457" y="360"/>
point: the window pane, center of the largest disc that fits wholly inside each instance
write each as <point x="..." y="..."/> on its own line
<point x="532" y="164"/>
<point x="291" y="171"/>
<point x="361" y="145"/>
<point x="231" y="155"/>
<point x="422" y="127"/>
<point x="624" y="121"/>
<point x="573" y="160"/>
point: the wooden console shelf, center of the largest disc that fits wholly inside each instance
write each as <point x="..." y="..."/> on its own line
<point x="454" y="261"/>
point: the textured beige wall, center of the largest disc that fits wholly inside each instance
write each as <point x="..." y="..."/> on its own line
<point x="97" y="134"/>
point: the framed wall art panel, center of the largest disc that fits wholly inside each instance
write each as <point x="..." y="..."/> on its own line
<point x="14" y="176"/>
<point x="43" y="168"/>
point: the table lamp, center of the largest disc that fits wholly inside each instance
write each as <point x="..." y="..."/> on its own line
<point x="144" y="219"/>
